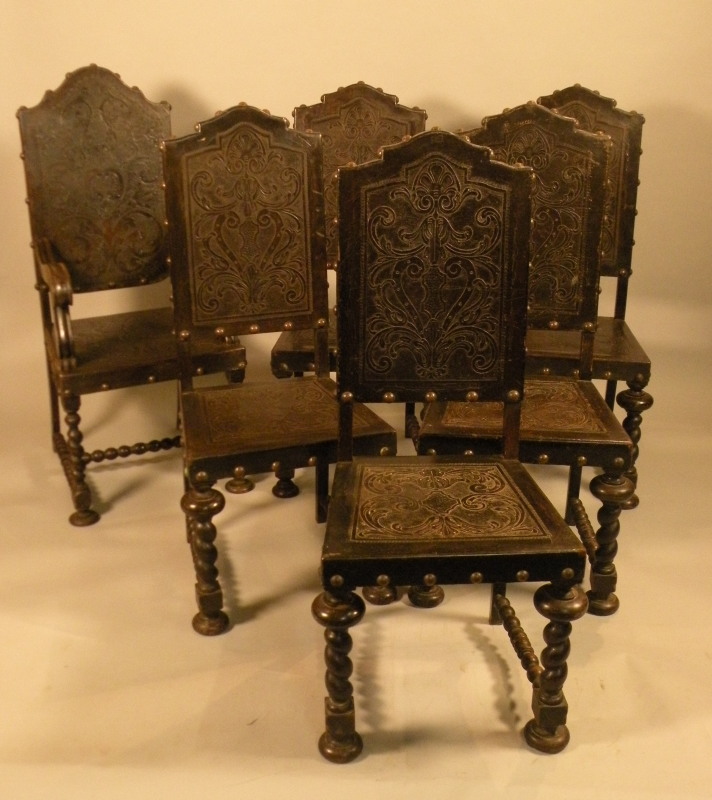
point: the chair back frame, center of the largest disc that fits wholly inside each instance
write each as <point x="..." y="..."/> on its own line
<point x="570" y="166"/>
<point x="355" y="122"/>
<point x="94" y="180"/>
<point x="594" y="112"/>
<point x="434" y="240"/>
<point x="245" y="218"/>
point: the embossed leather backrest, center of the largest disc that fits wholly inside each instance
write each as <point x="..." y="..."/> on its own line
<point x="354" y="122"/>
<point x="432" y="294"/>
<point x="93" y="168"/>
<point x="245" y="215"/>
<point x="594" y="112"/>
<point x="567" y="209"/>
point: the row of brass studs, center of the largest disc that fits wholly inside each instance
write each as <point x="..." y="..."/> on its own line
<point x="337" y="581"/>
<point x="512" y="396"/>
<point x="240" y="472"/>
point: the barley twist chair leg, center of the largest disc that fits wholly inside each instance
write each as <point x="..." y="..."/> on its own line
<point x="200" y="504"/>
<point x="561" y="605"/>
<point x="337" y="610"/>
<point x="613" y="491"/>
<point x="634" y="401"/>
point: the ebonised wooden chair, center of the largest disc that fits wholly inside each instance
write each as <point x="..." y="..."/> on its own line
<point x="355" y="122"/>
<point x="565" y="420"/>
<point x="92" y="160"/>
<point x="246" y="238"/>
<point x="432" y="306"/>
<point x="617" y="354"/>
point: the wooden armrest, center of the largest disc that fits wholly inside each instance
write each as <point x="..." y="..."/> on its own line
<point x="58" y="285"/>
<point x="54" y="274"/>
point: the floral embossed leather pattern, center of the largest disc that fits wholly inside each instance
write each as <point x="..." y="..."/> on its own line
<point x="548" y="405"/>
<point x="435" y="239"/>
<point x="248" y="217"/>
<point x="431" y="502"/>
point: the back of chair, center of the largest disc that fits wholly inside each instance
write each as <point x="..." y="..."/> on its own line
<point x="434" y="243"/>
<point x="92" y="159"/>
<point x="245" y="217"/>
<point x="355" y="122"/>
<point x="594" y="112"/>
<point x="567" y="213"/>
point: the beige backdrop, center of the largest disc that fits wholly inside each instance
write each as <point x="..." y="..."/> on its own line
<point x="106" y="692"/>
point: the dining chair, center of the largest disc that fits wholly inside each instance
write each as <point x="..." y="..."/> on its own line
<point x="565" y="420"/>
<point x="432" y="299"/>
<point x="92" y="161"/>
<point x="246" y="239"/>
<point x="617" y="354"/>
<point x="355" y="121"/>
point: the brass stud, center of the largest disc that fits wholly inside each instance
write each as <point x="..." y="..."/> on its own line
<point x="546" y="371"/>
<point x="184" y="336"/>
<point x="522" y="575"/>
<point x="469" y="453"/>
<point x="472" y="397"/>
<point x="430" y="397"/>
<point x="275" y="466"/>
<point x="618" y="463"/>
<point x="254" y="328"/>
<point x="347" y="397"/>
<point x="311" y="461"/>
<point x="582" y="461"/>
<point x="321" y="322"/>
<point x="199" y="371"/>
<point x="553" y="325"/>
<point x="336" y="581"/>
<point x="476" y="577"/>
<point x="105" y="386"/>
<point x="542" y="458"/>
<point x="607" y="375"/>
<point x="384" y="451"/>
<point x="310" y="366"/>
<point x="383" y="580"/>
<point x="239" y="473"/>
<point x="513" y="396"/>
<point x="567" y="574"/>
<point x="429" y="579"/>
<point x="151" y="378"/>
<point x="288" y="326"/>
<point x="219" y="333"/>
<point x="389" y="397"/>
<point x="589" y="327"/>
<point x="431" y="452"/>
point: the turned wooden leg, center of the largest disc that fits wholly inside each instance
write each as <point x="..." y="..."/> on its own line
<point x="573" y="491"/>
<point x="613" y="490"/>
<point x="428" y="594"/>
<point x="547" y="731"/>
<point x="337" y="609"/>
<point x="382" y="594"/>
<point x="53" y="409"/>
<point x="285" y="486"/>
<point x="200" y="504"/>
<point x="239" y="483"/>
<point x="322" y="489"/>
<point x="71" y="454"/>
<point x="634" y="401"/>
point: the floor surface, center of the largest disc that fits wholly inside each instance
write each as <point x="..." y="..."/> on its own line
<point x="106" y="692"/>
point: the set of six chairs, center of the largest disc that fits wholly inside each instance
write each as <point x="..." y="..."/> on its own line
<point x="468" y="267"/>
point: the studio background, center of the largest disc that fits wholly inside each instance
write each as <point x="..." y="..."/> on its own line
<point x="105" y="690"/>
